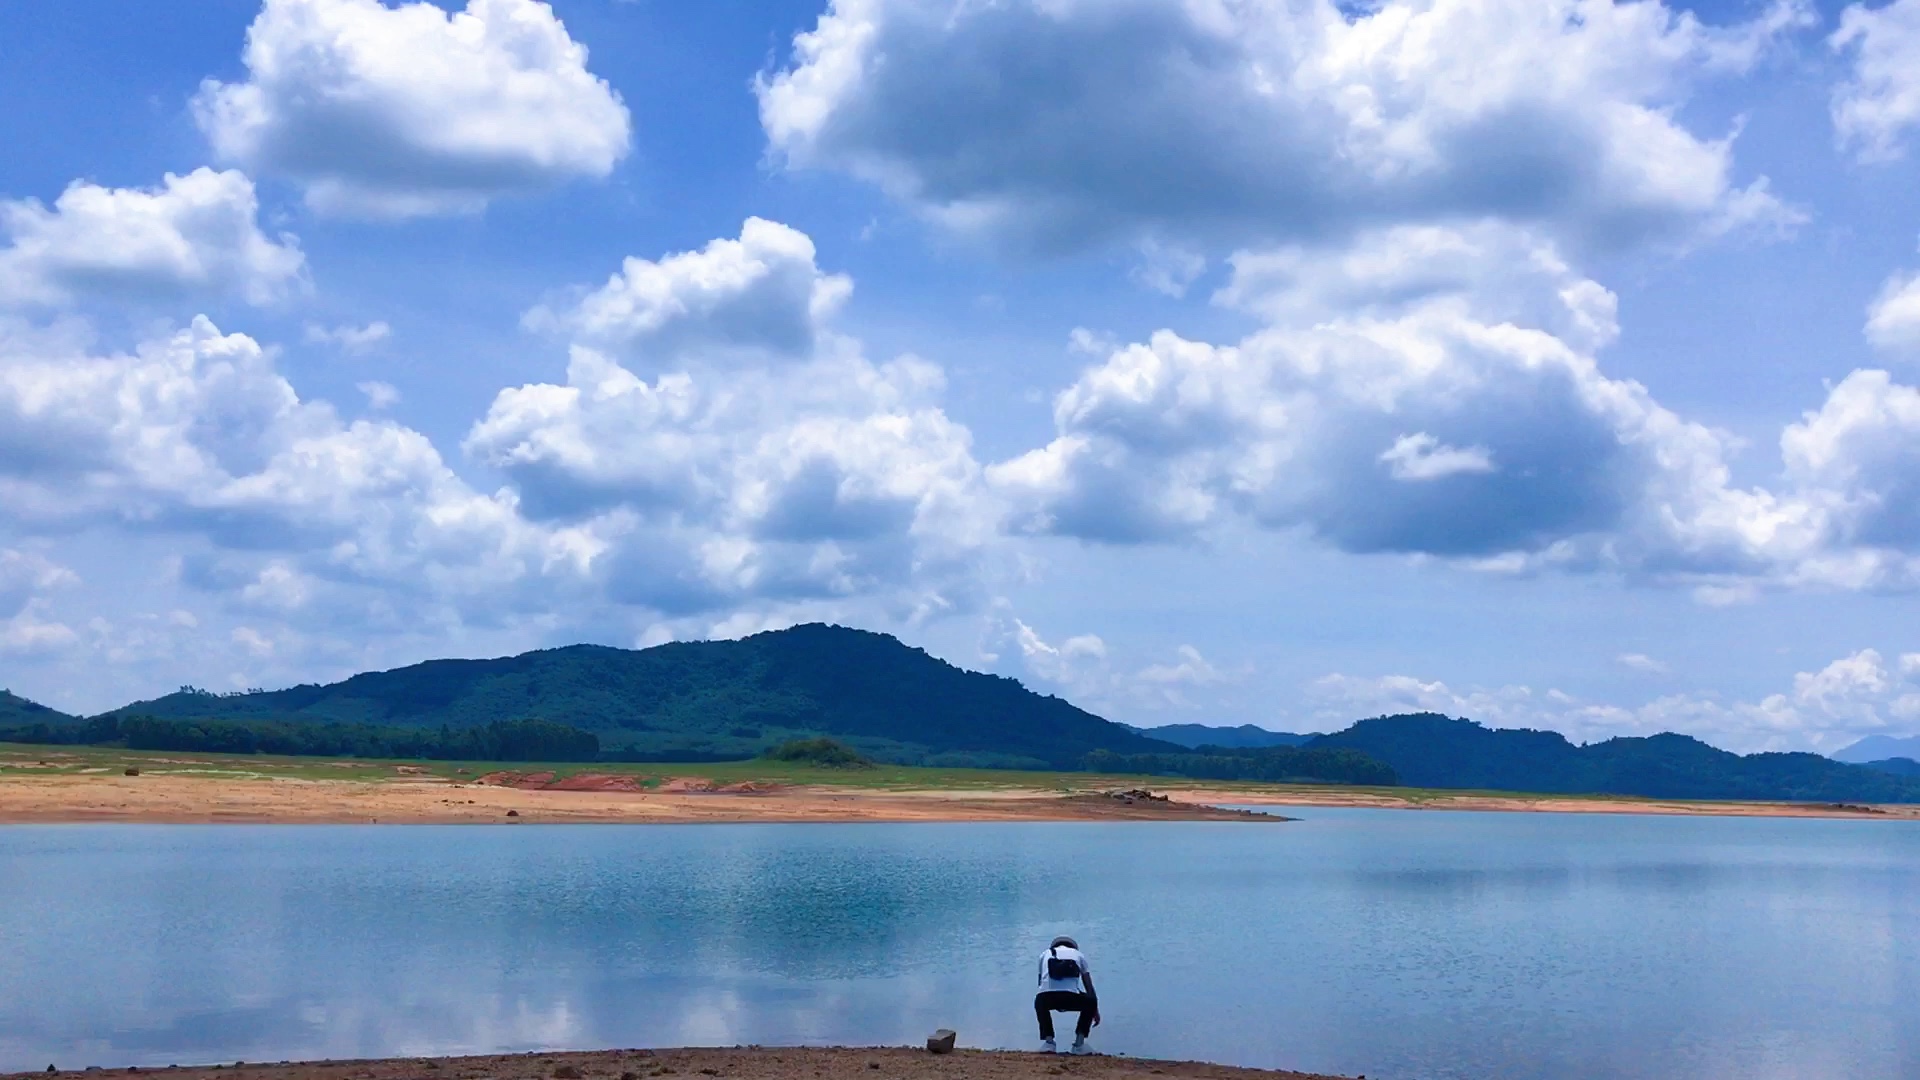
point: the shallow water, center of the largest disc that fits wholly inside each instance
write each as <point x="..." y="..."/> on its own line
<point x="1392" y="943"/>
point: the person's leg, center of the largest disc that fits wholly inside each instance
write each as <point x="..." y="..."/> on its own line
<point x="1084" y="1027"/>
<point x="1045" y="1016"/>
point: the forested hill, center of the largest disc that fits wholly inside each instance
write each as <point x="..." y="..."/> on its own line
<point x="16" y="711"/>
<point x="1244" y="737"/>
<point x="712" y="698"/>
<point x="1429" y="750"/>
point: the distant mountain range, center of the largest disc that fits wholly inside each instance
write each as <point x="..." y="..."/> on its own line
<point x="1899" y="766"/>
<point x="1880" y="748"/>
<point x="692" y="701"/>
<point x="1246" y="736"/>
<point x="1430" y="750"/>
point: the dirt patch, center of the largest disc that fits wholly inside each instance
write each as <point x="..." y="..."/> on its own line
<point x="598" y="782"/>
<point x="1145" y="805"/>
<point x="546" y="781"/>
<point x="523" y="781"/>
<point x="691" y="785"/>
<point x="748" y="787"/>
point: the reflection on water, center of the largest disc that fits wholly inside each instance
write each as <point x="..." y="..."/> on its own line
<point x="1388" y="943"/>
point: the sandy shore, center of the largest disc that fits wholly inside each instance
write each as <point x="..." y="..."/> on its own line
<point x="737" y="1064"/>
<point x="176" y="798"/>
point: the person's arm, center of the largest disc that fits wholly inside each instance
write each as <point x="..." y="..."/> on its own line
<point x="1086" y="980"/>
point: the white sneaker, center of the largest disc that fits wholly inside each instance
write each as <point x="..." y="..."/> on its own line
<point x="1047" y="1047"/>
<point x="1080" y="1047"/>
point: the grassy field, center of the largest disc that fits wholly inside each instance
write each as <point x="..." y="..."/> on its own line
<point x="26" y="760"/>
<point x="22" y="760"/>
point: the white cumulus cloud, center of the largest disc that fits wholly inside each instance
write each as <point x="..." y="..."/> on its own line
<point x="379" y="395"/>
<point x="198" y="434"/>
<point x="194" y="237"/>
<point x="1893" y="322"/>
<point x="1825" y="710"/>
<point x="1438" y="392"/>
<point x="1050" y="124"/>
<point x="822" y="475"/>
<point x="25" y="576"/>
<point x="1858" y="459"/>
<point x="30" y="633"/>
<point x="1084" y="668"/>
<point x="1420" y="457"/>
<point x="1874" y="109"/>
<point x="1403" y="401"/>
<point x="410" y="110"/>
<point x="760" y="294"/>
<point x="347" y="338"/>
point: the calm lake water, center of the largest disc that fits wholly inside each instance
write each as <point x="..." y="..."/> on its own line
<point x="1394" y="944"/>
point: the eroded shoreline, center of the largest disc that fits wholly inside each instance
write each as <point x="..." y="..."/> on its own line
<point x="190" y="799"/>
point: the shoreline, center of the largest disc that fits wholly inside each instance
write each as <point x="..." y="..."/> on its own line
<point x="696" y="1063"/>
<point x="189" y="797"/>
<point x="187" y="800"/>
<point x="46" y="785"/>
<point x="1441" y="801"/>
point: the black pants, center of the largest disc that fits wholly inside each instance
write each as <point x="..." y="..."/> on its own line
<point x="1046" y="1003"/>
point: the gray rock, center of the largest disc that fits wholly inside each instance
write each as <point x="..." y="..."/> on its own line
<point x="941" y="1042"/>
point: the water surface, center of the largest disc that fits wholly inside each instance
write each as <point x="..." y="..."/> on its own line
<point x="1392" y="943"/>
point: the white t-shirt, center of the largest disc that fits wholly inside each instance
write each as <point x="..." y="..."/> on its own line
<point x="1071" y="986"/>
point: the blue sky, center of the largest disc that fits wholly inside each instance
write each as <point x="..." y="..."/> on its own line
<point x="1226" y="361"/>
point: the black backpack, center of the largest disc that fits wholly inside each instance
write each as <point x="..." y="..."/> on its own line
<point x="1061" y="968"/>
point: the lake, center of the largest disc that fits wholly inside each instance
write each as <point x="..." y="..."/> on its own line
<point x="1392" y="943"/>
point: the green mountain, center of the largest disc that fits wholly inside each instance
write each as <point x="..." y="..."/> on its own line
<point x="1244" y="737"/>
<point x="16" y="711"/>
<point x="691" y="700"/>
<point x="1899" y="766"/>
<point x="1429" y="750"/>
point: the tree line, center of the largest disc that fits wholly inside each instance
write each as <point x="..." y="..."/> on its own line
<point x="1278" y="764"/>
<point x="501" y="740"/>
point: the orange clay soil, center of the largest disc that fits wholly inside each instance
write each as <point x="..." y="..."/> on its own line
<point x="823" y="1063"/>
<point x="522" y="799"/>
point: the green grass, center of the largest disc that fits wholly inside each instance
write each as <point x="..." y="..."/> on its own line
<point x="22" y="760"/>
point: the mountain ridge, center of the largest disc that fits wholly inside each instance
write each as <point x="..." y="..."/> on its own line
<point x="1879" y="748"/>
<point x="15" y="709"/>
<point x="710" y="697"/>
<point x="718" y="700"/>
<point x="1432" y="750"/>
<point x="1243" y="737"/>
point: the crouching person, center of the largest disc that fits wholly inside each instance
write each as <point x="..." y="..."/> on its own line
<point x="1066" y="985"/>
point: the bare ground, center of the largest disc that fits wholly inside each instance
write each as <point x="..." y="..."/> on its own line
<point x="753" y="1063"/>
<point x="186" y="799"/>
<point x="48" y="786"/>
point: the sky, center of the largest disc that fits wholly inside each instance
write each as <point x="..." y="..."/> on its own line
<point x="1546" y="362"/>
